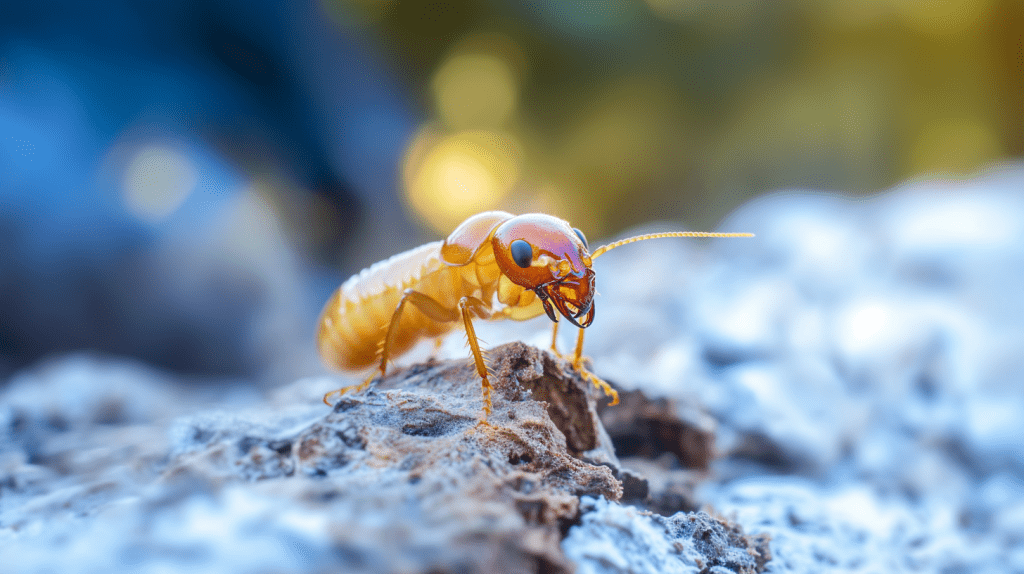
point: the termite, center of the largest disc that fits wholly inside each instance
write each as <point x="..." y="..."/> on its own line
<point x="495" y="265"/>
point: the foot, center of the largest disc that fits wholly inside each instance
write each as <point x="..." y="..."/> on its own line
<point x="577" y="363"/>
<point x="360" y="387"/>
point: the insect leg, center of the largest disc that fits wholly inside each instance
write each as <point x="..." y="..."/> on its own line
<point x="361" y="386"/>
<point x="577" y="358"/>
<point x="430" y="307"/>
<point x="554" y="343"/>
<point x="468" y="306"/>
<point x="577" y="363"/>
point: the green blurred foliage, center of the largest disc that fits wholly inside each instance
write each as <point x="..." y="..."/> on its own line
<point x="616" y="112"/>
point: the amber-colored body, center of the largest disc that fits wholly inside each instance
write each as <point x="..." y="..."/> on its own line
<point x="493" y="266"/>
<point x="353" y="321"/>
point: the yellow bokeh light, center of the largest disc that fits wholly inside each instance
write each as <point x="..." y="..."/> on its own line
<point x="448" y="178"/>
<point x="156" y="182"/>
<point x="475" y="90"/>
<point x="955" y="146"/>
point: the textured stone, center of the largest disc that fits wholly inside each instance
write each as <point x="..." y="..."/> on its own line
<point x="400" y="478"/>
<point x="614" y="539"/>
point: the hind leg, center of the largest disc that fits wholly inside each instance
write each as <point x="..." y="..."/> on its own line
<point x="429" y="306"/>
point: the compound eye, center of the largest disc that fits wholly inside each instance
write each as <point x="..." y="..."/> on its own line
<point x="522" y="253"/>
<point x="582" y="238"/>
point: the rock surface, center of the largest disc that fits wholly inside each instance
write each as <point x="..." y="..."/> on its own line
<point x="614" y="539"/>
<point x="465" y="496"/>
<point x="400" y="478"/>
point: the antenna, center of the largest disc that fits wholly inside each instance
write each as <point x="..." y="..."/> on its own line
<point x="606" y="248"/>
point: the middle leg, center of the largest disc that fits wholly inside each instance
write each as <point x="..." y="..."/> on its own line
<point x="470" y="306"/>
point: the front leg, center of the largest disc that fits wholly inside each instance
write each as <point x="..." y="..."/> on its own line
<point x="577" y="363"/>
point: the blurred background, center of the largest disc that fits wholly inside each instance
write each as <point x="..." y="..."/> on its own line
<point x="186" y="182"/>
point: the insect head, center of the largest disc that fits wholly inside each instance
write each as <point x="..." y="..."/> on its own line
<point x="543" y="253"/>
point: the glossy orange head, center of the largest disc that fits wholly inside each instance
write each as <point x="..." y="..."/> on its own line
<point x="546" y="254"/>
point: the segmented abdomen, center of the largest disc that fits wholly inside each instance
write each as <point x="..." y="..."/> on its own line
<point x="356" y="317"/>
